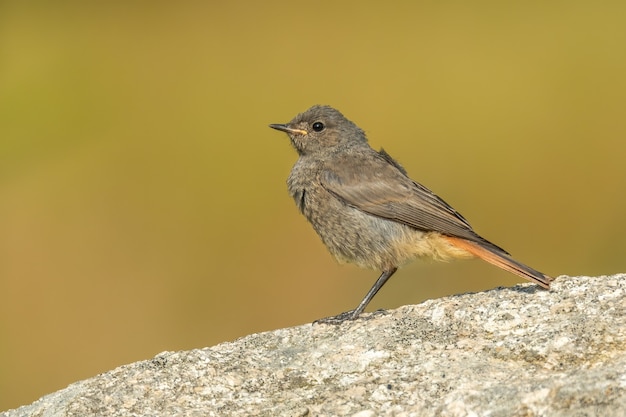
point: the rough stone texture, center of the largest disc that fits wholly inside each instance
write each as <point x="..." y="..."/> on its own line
<point x="517" y="351"/>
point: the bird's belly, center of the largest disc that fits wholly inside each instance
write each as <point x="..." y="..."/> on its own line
<point x="356" y="237"/>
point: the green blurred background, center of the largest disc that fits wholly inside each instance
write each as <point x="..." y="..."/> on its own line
<point x="143" y="204"/>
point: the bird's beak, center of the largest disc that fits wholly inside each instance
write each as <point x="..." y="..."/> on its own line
<point x="287" y="129"/>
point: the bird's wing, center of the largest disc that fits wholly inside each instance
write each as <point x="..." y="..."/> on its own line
<point x="384" y="190"/>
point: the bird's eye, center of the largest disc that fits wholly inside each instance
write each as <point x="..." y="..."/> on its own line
<point x="318" y="126"/>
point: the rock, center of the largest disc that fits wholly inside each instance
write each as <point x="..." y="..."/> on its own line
<point x="518" y="351"/>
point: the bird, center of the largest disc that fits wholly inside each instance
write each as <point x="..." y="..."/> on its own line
<point x="369" y="212"/>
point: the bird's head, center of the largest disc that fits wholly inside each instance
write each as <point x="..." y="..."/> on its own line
<point x="320" y="129"/>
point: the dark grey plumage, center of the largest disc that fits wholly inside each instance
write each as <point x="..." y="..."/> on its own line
<point x="368" y="211"/>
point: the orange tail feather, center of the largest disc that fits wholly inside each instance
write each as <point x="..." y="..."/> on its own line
<point x="501" y="259"/>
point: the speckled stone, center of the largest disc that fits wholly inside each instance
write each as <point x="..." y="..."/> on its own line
<point x="518" y="351"/>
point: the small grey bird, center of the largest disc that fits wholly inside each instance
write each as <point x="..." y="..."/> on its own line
<point x="366" y="209"/>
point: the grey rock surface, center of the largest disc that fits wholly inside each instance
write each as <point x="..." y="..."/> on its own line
<point x="518" y="351"/>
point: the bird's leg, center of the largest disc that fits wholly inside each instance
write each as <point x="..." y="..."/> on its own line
<point x="354" y="314"/>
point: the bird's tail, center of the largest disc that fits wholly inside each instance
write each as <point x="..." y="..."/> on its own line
<point x="498" y="257"/>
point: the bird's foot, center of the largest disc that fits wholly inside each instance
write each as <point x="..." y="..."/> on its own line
<point x="339" y="318"/>
<point x="348" y="316"/>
